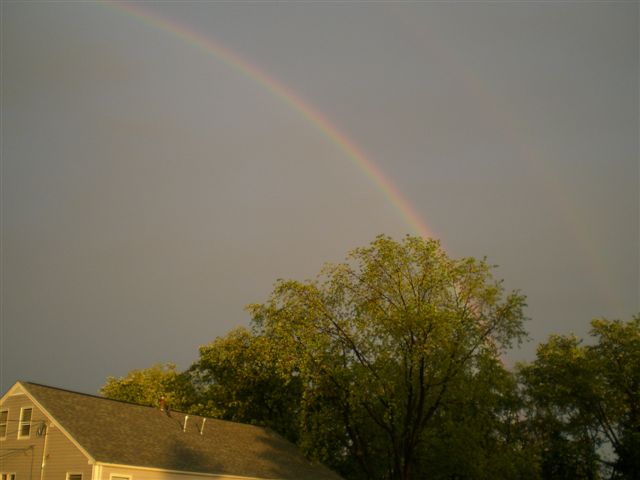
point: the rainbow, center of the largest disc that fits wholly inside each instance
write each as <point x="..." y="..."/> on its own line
<point x="293" y="100"/>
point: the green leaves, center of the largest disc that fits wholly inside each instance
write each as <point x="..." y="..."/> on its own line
<point x="243" y="377"/>
<point x="388" y="366"/>
<point x="148" y="386"/>
<point x="584" y="396"/>
<point x="383" y="340"/>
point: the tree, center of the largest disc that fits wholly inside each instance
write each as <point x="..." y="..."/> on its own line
<point x="383" y="345"/>
<point x="616" y="363"/>
<point x="481" y="434"/>
<point x="148" y="386"/>
<point x="553" y="385"/>
<point x="585" y="401"/>
<point x="240" y="377"/>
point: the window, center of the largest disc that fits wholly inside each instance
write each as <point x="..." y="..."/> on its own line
<point x="119" y="477"/>
<point x="74" y="476"/>
<point x="4" y="416"/>
<point x="8" y="476"/>
<point x="24" y="431"/>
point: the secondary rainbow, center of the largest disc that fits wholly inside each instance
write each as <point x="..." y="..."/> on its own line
<point x="278" y="89"/>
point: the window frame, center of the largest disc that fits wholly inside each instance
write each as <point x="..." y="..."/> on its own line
<point x="22" y="423"/>
<point x="5" y="423"/>
<point x="69" y="474"/>
<point x="8" y="475"/>
<point x="119" y="476"/>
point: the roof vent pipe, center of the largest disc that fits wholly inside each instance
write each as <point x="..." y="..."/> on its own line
<point x="184" y="427"/>
<point x="202" y="426"/>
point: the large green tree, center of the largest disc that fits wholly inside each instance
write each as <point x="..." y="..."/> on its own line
<point x="150" y="386"/>
<point x="584" y="402"/>
<point x="384" y="344"/>
<point x="481" y="434"/>
<point x="242" y="377"/>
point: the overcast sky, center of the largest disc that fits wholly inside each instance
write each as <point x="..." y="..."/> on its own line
<point x="151" y="188"/>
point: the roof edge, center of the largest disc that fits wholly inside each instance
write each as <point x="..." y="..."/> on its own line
<point x="11" y="391"/>
<point x="92" y="395"/>
<point x="125" y="402"/>
<point x="183" y="472"/>
<point x="24" y="386"/>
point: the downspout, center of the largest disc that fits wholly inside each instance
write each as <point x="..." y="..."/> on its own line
<point x="33" y="453"/>
<point x="44" y="451"/>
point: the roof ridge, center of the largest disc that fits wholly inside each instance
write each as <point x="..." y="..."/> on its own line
<point x="126" y="402"/>
<point x="100" y="397"/>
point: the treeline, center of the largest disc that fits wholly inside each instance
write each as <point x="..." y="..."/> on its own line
<point x="388" y="366"/>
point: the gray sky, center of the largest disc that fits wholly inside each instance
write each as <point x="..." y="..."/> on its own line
<point x="151" y="189"/>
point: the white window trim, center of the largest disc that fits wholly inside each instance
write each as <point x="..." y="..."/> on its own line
<point x="21" y="422"/>
<point x="6" y="424"/>
<point x="119" y="475"/>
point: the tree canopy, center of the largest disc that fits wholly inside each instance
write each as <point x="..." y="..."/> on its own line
<point x="585" y="401"/>
<point x="382" y="342"/>
<point x="389" y="366"/>
<point x="150" y="386"/>
<point x="241" y="377"/>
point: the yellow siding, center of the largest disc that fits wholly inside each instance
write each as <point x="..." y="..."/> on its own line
<point x="63" y="457"/>
<point x="25" y="458"/>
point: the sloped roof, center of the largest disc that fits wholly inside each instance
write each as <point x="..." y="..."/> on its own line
<point x="124" y="433"/>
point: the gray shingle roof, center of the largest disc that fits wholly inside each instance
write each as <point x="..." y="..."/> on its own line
<point x="123" y="433"/>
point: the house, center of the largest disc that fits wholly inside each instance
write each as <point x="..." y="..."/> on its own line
<point x="48" y="433"/>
